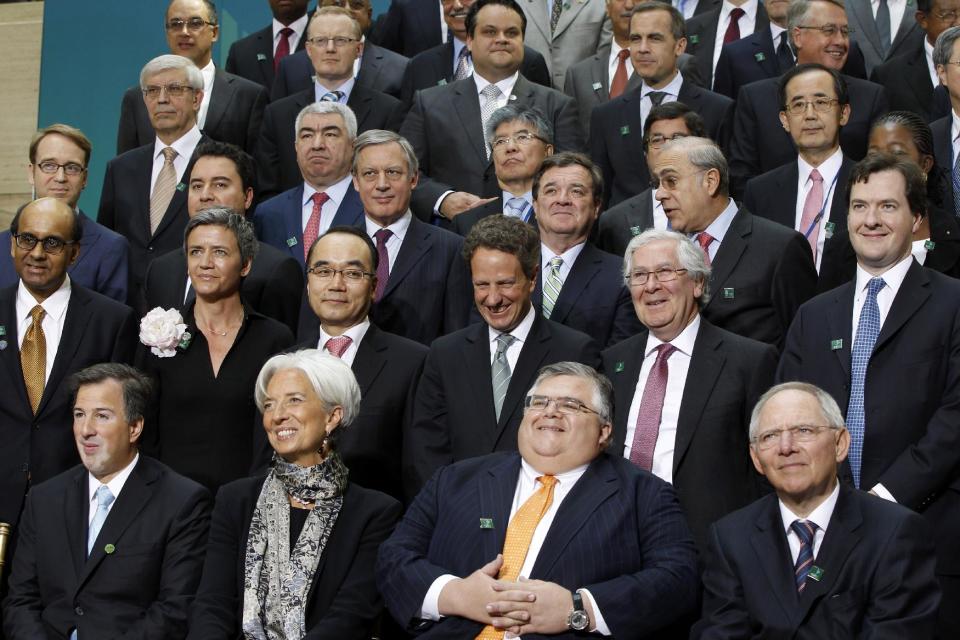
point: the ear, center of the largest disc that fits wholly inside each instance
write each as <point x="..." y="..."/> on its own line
<point x="756" y="461"/>
<point x="916" y="222"/>
<point x="75" y="249"/>
<point x="926" y="163"/>
<point x="197" y="99"/>
<point x="843" y="445"/>
<point x="785" y="121"/>
<point x="606" y="432"/>
<point x="246" y="267"/>
<point x="356" y="184"/>
<point x="248" y="199"/>
<point x="30" y="170"/>
<point x="844" y="114"/>
<point x="713" y="181"/>
<point x="942" y="74"/>
<point x="334" y="419"/>
<point x="681" y="46"/>
<point x="136" y="430"/>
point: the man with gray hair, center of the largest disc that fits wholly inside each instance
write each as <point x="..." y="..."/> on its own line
<point x="761" y="271"/>
<point x="817" y="559"/>
<point x="684" y="388"/>
<point x="946" y="130"/>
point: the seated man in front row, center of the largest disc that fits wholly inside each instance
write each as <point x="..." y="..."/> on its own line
<point x="816" y="560"/>
<point x="605" y="545"/>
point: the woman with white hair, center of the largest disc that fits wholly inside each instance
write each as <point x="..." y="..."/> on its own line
<point x="291" y="553"/>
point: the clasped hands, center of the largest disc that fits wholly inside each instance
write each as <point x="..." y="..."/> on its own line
<point x="525" y="606"/>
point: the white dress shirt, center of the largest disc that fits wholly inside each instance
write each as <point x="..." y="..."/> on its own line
<point x="443" y="23"/>
<point x="955" y="136"/>
<point x="613" y="62"/>
<point x="520" y="332"/>
<point x="336" y="193"/>
<point x="686" y="7"/>
<point x="897" y="9"/>
<point x="918" y="249"/>
<point x="355" y="333"/>
<point x="677" y="367"/>
<point x="207" y="73"/>
<point x="718" y="228"/>
<point x="184" y="147"/>
<point x="359" y="60"/>
<point x="931" y="68"/>
<point x="298" y="26"/>
<point x="345" y="88"/>
<point x="399" y="229"/>
<point x="115" y="486"/>
<point x="55" y="308"/>
<point x="745" y="25"/>
<point x="829" y="170"/>
<point x="672" y="90"/>
<point x="819" y="516"/>
<point x="569" y="257"/>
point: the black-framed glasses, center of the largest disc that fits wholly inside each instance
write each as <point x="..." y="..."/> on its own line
<point x="522" y="139"/>
<point x="639" y="278"/>
<point x="338" y="41"/>
<point x="800" y="433"/>
<point x="829" y="30"/>
<point x="193" y="25"/>
<point x="350" y="275"/>
<point x="658" y="141"/>
<point x="820" y="105"/>
<point x="70" y="168"/>
<point x="51" y="244"/>
<point x="565" y="405"/>
<point x="153" y="91"/>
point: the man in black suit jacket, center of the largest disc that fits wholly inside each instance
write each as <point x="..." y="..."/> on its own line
<point x="446" y="123"/>
<point x="231" y="107"/>
<point x="255" y="56"/>
<point x="79" y="326"/>
<point x="761" y="272"/>
<point x="458" y="412"/>
<point x="410" y="27"/>
<point x="704" y="30"/>
<point x="616" y="143"/>
<point x="113" y="547"/>
<point x="222" y="175"/>
<point x="943" y="129"/>
<point x="277" y="168"/>
<point x="816" y="560"/>
<point x="696" y="439"/>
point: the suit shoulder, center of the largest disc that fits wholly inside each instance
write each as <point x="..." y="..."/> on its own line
<point x="131" y="158"/>
<point x="404" y="347"/>
<point x="52" y="488"/>
<point x="390" y="57"/>
<point x="248" y="39"/>
<point x="269" y="253"/>
<point x="734" y="524"/>
<point x="277" y="202"/>
<point x="379" y="98"/>
<point x="759" y="89"/>
<point x="370" y="500"/>
<point x="770" y="231"/>
<point x="742" y="345"/>
<point x="242" y="84"/>
<point x="453" y="340"/>
<point x="563" y="334"/>
<point x="270" y="329"/>
<point x="626" y="348"/>
<point x="862" y="87"/>
<point x="442" y="236"/>
<point x="105" y="306"/>
<point x="174" y="483"/>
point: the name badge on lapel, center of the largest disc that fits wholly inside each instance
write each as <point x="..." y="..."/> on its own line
<point x="486" y="523"/>
<point x="694" y="39"/>
<point x="728" y="293"/>
<point x="3" y="330"/>
<point x="109" y="549"/>
<point x="619" y="366"/>
<point x="441" y="82"/>
<point x="929" y="245"/>
<point x="625" y="130"/>
<point x="815" y="573"/>
<point x="635" y="231"/>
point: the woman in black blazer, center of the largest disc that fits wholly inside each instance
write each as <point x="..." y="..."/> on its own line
<point x="291" y="553"/>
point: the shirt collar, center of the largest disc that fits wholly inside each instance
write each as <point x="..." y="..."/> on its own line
<point x="208" y="72"/>
<point x="355" y="333"/>
<point x="520" y="332"/>
<point x="298" y="26"/>
<point x="828" y="169"/>
<point x="566" y="478"/>
<point x="672" y="88"/>
<point x="399" y="227"/>
<point x="505" y="85"/>
<point x="775" y="31"/>
<point x="115" y="485"/>
<point x="683" y="342"/>
<point x="54" y="306"/>
<point x="955" y="127"/>
<point x="569" y="256"/>
<point x="749" y="9"/>
<point x="892" y="277"/>
<point x="184" y="145"/>
<point x="718" y="228"/>
<point x="345" y="87"/>
<point x="819" y="516"/>
<point x="336" y="192"/>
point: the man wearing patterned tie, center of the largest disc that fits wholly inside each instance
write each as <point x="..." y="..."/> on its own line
<point x="895" y="322"/>
<point x="818" y="559"/>
<point x="113" y="547"/>
<point x="558" y="539"/>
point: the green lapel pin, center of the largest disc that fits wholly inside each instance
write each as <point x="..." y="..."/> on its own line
<point x="815" y="573"/>
<point x="261" y="57"/>
<point x="3" y="330"/>
<point x="760" y="57"/>
<point x="728" y="293"/>
<point x="828" y="229"/>
<point x="694" y="39"/>
<point x="929" y="245"/>
<point x="181" y="186"/>
<point x="109" y="549"/>
<point x="291" y="242"/>
<point x="836" y="345"/>
<point x="441" y="82"/>
<point x="619" y="367"/>
<point x="635" y="231"/>
<point x="597" y="86"/>
<point x="486" y="523"/>
<point x="625" y="130"/>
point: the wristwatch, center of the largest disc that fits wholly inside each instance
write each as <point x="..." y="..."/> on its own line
<point x="578" y="620"/>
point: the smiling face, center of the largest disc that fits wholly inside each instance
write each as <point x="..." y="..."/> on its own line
<point x="497" y="42"/>
<point x="619" y="12"/>
<point x="880" y="222"/>
<point x="62" y="151"/>
<point x="814" y="132"/>
<point x="813" y="46"/>
<point x="105" y="438"/>
<point x="653" y="48"/>
<point x="324" y="149"/>
<point x="42" y="273"/>
<point x="384" y="182"/>
<point x="455" y="14"/>
<point x="214" y="181"/>
<point x="338" y="302"/>
<point x="214" y="263"/>
<point x="565" y="206"/>
<point x="501" y="291"/>
<point x="196" y="45"/>
<point x="295" y="418"/>
<point x="665" y="308"/>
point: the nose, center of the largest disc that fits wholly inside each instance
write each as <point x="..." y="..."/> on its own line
<point x="206" y="194"/>
<point x="870" y="217"/>
<point x="785" y="444"/>
<point x="61" y="174"/>
<point x="84" y="426"/>
<point x="331" y="46"/>
<point x="337" y="281"/>
<point x="660" y="194"/>
<point x="652" y="283"/>
<point x="382" y="183"/>
<point x="317" y="142"/>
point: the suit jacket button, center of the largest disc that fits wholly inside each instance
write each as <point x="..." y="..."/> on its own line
<point x="150" y="249"/>
<point x="78" y="611"/>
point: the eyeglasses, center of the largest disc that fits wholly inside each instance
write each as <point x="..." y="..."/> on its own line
<point x="153" y="91"/>
<point x="801" y="433"/>
<point x="950" y="16"/>
<point x="956" y="62"/>
<point x="71" y="168"/>
<point x="353" y="4"/>
<point x="657" y="141"/>
<point x="664" y="274"/>
<point x="51" y="244"/>
<point x="522" y="139"/>
<point x="566" y="406"/>
<point x="350" y="275"/>
<point x="671" y="181"/>
<point x="192" y="24"/>
<point x="820" y="105"/>
<point x="338" y="41"/>
<point x="830" y="30"/>
<point x="372" y="175"/>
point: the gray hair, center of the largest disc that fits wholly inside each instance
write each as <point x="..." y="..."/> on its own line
<point x="943" y="49"/>
<point x="137" y="387"/>
<point x="331" y="378"/>
<point x="798" y="10"/>
<point x="527" y="115"/>
<point x="828" y="406"/>
<point x="374" y="137"/>
<point x="228" y="219"/>
<point x="689" y="255"/>
<point x="704" y="155"/>
<point x="323" y="108"/>
<point x="602" y="388"/>
<point x="169" y="61"/>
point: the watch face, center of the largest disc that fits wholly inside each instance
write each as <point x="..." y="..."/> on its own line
<point x="579" y="620"/>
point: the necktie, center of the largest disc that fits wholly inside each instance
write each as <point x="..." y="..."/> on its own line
<point x="517" y="207"/>
<point x="555" y="11"/>
<point x="883" y="26"/>
<point x="491" y="93"/>
<point x="551" y="286"/>
<point x="312" y="230"/>
<point x="501" y="371"/>
<point x="620" y="75"/>
<point x="104" y="500"/>
<point x="163" y="189"/>
<point x="733" y="29"/>
<point x="339" y="345"/>
<point x="283" y="47"/>
<point x="805" y="530"/>
<point x="784" y="53"/>
<point x="867" y="331"/>
<point x="809" y="225"/>
<point x="520" y="531"/>
<point x="463" y="65"/>
<point x="656" y="97"/>
<point x="651" y="407"/>
<point x="332" y="96"/>
<point x="383" y="262"/>
<point x="33" y="357"/>
<point x="704" y="239"/>
<point x="956" y="186"/>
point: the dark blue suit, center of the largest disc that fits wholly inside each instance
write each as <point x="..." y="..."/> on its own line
<point x="409" y="27"/>
<point x="101" y="265"/>
<point x="380" y="70"/>
<point x="619" y="533"/>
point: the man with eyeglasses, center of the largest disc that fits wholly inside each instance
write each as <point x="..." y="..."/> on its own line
<point x="333" y="44"/>
<point x="683" y="388"/>
<point x="885" y="345"/>
<point x="946" y="130"/>
<point x="808" y="194"/>
<point x="230" y="107"/>
<point x="620" y="223"/>
<point x="257" y="56"/>
<point x="556" y="539"/>
<point x="59" y="156"/>
<point x="820" y="33"/>
<point x="50" y="327"/>
<point x="795" y="563"/>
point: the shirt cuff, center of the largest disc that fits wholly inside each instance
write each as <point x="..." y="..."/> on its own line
<point x="436" y="207"/>
<point x="430" y="609"/>
<point x="600" y="625"/>
<point x="882" y="492"/>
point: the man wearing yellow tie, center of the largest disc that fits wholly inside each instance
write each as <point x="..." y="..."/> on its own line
<point x="557" y="539"/>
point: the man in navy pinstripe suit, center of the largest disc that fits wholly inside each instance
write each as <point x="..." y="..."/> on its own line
<point x="610" y="551"/>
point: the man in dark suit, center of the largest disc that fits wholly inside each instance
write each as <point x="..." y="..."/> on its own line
<point x="113" y="547"/>
<point x="257" y="56"/>
<point x="895" y="321"/>
<point x="761" y="580"/>
<point x="446" y="124"/>
<point x="761" y="272"/>
<point x="59" y="157"/>
<point x="341" y="283"/>
<point x="683" y="388"/>
<point x="469" y="401"/>
<point x="410" y="27"/>
<point x="884" y="32"/>
<point x="222" y="176"/>
<point x="616" y="143"/>
<point x="231" y="107"/>
<point x="333" y="81"/>
<point x="144" y="195"/>
<point x="946" y="130"/>
<point x="724" y="23"/>
<point x="558" y="551"/>
<point x="758" y="144"/>
<point x="808" y="194"/>
<point x="51" y="327"/>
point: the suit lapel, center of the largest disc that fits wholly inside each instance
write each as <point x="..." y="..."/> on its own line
<point x="359" y="100"/>
<point x="74" y="325"/>
<point x="350" y="211"/>
<point x="221" y="96"/>
<point x="918" y="77"/>
<point x="10" y="354"/>
<point x="466" y="103"/>
<point x="731" y="249"/>
<point x="907" y="25"/>
<point x="414" y="248"/>
<point x="477" y="351"/>
<point x="495" y="488"/>
<point x="584" y="270"/>
<point x="536" y="11"/>
<point x="598" y="77"/>
<point x="567" y="16"/>
<point x="293" y="223"/>
<point x="625" y="385"/>
<point x="370" y="65"/>
<point x="912" y="295"/>
<point x="769" y="542"/>
<point x="76" y="514"/>
<point x="766" y="56"/>
<point x="264" y="55"/>
<point x="865" y="16"/>
<point x="839" y="319"/>
<point x="632" y="122"/>
<point x="706" y="365"/>
<point x="370" y="360"/>
<point x="534" y="350"/>
<point x="787" y="190"/>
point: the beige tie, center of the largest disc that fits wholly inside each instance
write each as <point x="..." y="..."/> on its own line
<point x="163" y="189"/>
<point x="33" y="357"/>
